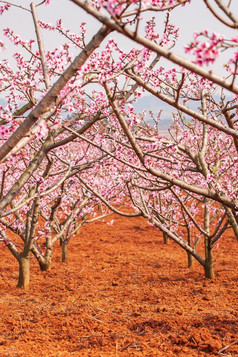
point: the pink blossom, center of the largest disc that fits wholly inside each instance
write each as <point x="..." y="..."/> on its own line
<point x="4" y="7"/>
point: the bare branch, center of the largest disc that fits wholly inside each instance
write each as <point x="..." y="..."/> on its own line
<point x="225" y="22"/>
<point x="41" y="47"/>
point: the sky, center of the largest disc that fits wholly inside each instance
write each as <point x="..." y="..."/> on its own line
<point x="191" y="18"/>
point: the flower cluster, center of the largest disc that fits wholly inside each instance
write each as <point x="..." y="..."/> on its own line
<point x="150" y="30"/>
<point x="16" y="38"/>
<point x="117" y="7"/>
<point x="4" y="7"/>
<point x="205" y="52"/>
<point x="76" y="39"/>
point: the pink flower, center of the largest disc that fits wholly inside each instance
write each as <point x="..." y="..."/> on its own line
<point x="4" y="8"/>
<point x="235" y="39"/>
<point x="234" y="58"/>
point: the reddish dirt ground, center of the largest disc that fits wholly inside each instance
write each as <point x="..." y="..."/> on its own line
<point x="122" y="293"/>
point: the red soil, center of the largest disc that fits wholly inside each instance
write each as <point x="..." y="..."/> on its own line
<point x="122" y="293"/>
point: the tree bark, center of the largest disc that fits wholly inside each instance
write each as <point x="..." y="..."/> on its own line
<point x="233" y="220"/>
<point x="64" y="247"/>
<point x="166" y="238"/>
<point x="45" y="264"/>
<point x="190" y="257"/>
<point x="24" y="272"/>
<point x="208" y="266"/>
<point x="190" y="260"/>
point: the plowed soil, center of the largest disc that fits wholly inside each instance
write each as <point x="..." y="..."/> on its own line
<point x="121" y="293"/>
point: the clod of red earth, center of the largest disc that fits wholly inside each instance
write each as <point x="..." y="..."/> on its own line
<point x="121" y="293"/>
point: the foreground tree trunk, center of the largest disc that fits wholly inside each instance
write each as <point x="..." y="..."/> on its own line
<point x="24" y="272"/>
<point x="190" y="257"/>
<point x="166" y="238"/>
<point x="64" y="247"/>
<point x="190" y="260"/>
<point x="208" y="267"/>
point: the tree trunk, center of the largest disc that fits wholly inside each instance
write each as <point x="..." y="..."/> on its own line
<point x="233" y="220"/>
<point x="190" y="260"/>
<point x="209" y="272"/>
<point x="45" y="263"/>
<point x="208" y="267"/>
<point x="24" y="272"/>
<point x="190" y="257"/>
<point x="166" y="238"/>
<point x="64" y="247"/>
